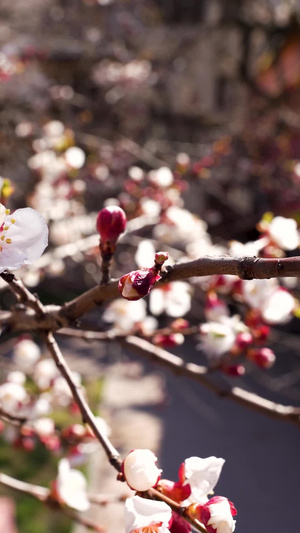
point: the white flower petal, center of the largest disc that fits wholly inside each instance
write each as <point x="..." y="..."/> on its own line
<point x="202" y="475"/>
<point x="283" y="231"/>
<point x="140" y="470"/>
<point x="72" y="486"/>
<point x="279" y="307"/>
<point x="140" y="512"/>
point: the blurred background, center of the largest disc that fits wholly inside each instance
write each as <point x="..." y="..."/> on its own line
<point x="211" y="90"/>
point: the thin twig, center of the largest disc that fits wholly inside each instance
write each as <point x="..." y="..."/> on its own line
<point x="196" y="372"/>
<point x="41" y="493"/>
<point x="44" y="495"/>
<point x="87" y="415"/>
<point x="12" y="418"/>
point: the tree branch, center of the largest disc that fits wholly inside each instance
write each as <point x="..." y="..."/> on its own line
<point x="44" y="495"/>
<point x="195" y="372"/>
<point x="56" y="317"/>
<point x="87" y="415"/>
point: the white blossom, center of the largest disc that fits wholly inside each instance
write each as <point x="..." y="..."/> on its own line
<point x="283" y="231"/>
<point x="26" y="353"/>
<point x="44" y="373"/>
<point x="23" y="237"/>
<point x="221" y="518"/>
<point x="12" y="395"/>
<point x="202" y="475"/>
<point x="75" y="157"/>
<point x="162" y="177"/>
<point x="148" y="514"/>
<point x="274" y="303"/>
<point x="140" y="470"/>
<point x="125" y="314"/>
<point x="72" y="486"/>
<point x="173" y="299"/>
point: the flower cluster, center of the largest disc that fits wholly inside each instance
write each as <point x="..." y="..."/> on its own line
<point x="197" y="479"/>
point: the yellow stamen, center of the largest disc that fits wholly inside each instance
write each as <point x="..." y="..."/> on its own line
<point x="5" y="228"/>
<point x="8" y="241"/>
<point x="7" y="211"/>
<point x="13" y="220"/>
<point x="2" y="237"/>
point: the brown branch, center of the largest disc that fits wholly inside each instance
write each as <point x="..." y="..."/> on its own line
<point x="87" y="415"/>
<point x="16" y="420"/>
<point x="56" y="317"/>
<point x="22" y="293"/>
<point x="200" y="374"/>
<point x="44" y="495"/>
<point x="196" y="372"/>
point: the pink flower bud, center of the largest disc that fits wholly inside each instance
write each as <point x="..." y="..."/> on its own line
<point x="173" y="339"/>
<point x="262" y="357"/>
<point x="243" y="340"/>
<point x="111" y="222"/>
<point x="138" y="283"/>
<point x="234" y="370"/>
<point x="140" y="470"/>
<point x="161" y="257"/>
<point x="174" y="490"/>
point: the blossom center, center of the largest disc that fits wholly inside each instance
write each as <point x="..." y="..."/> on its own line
<point x="6" y="224"/>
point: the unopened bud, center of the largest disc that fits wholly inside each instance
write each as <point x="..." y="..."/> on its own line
<point x="111" y="223"/>
<point x="168" y="341"/>
<point x="140" y="470"/>
<point x="262" y="357"/>
<point x="138" y="283"/>
<point x="161" y="257"/>
<point x="234" y="370"/>
<point x="243" y="340"/>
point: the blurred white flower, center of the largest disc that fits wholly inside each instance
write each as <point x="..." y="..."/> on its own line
<point x="173" y="298"/>
<point x="283" y="231"/>
<point x="279" y="307"/>
<point x="16" y="377"/>
<point x="124" y="314"/>
<point x="146" y="515"/>
<point x="26" y="353"/>
<point x="162" y="177"/>
<point x="43" y="426"/>
<point x="75" y="157"/>
<point x="44" y="373"/>
<point x="23" y="237"/>
<point x="11" y="396"/>
<point x="217" y="338"/>
<point x="72" y="486"/>
<point x="274" y="303"/>
<point x="144" y="256"/>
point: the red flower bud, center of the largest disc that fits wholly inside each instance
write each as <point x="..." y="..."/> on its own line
<point x="262" y="357"/>
<point x="138" y="283"/>
<point x="179" y="525"/>
<point x="111" y="223"/>
<point x="234" y="370"/>
<point x="173" y="339"/>
<point x="176" y="491"/>
<point x="243" y="340"/>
